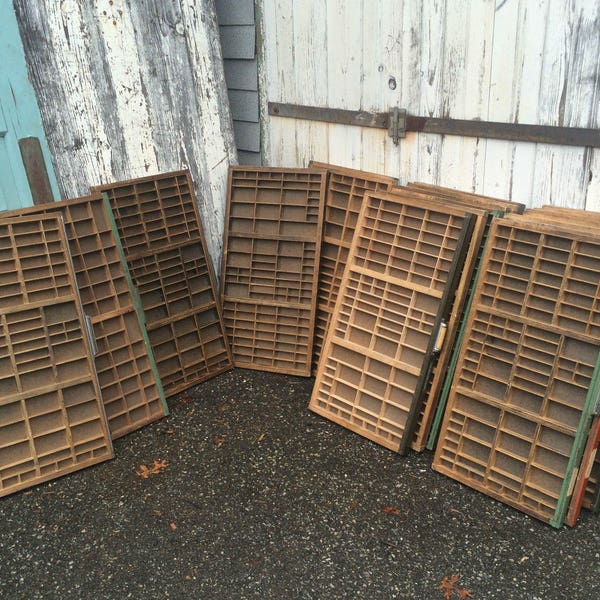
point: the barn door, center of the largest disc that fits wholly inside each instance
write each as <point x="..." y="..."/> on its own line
<point x="26" y="174"/>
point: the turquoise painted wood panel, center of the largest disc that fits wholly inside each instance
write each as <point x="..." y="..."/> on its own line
<point x="19" y="116"/>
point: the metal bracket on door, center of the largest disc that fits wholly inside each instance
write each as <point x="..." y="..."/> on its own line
<point x="397" y="124"/>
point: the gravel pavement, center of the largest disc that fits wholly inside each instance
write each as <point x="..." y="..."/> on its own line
<point x="259" y="498"/>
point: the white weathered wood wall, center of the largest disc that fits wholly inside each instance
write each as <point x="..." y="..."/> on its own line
<point x="129" y="88"/>
<point x="526" y="61"/>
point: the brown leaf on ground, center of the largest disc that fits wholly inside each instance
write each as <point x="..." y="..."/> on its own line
<point x="447" y="587"/>
<point x="390" y="510"/>
<point x="217" y="441"/>
<point x="143" y="472"/>
<point x="157" y="467"/>
<point x="261" y="437"/>
<point x="354" y="505"/>
<point x="172" y="526"/>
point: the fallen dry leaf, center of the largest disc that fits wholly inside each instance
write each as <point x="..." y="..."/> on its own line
<point x="218" y="442"/>
<point x="390" y="510"/>
<point x="448" y="586"/>
<point x="523" y="559"/>
<point x="172" y="526"/>
<point x="143" y="472"/>
<point x="261" y="437"/>
<point x="157" y="467"/>
<point x="354" y="505"/>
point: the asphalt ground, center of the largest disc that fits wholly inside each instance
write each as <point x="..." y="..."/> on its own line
<point x="256" y="497"/>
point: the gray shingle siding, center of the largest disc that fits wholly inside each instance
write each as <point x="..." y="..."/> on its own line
<point x="235" y="12"/>
<point x="241" y="74"/>
<point x="238" y="41"/>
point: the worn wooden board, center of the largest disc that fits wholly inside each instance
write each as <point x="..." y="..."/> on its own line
<point x="129" y="89"/>
<point x="161" y="236"/>
<point x="345" y="194"/>
<point x="508" y="61"/>
<point x="270" y="266"/>
<point x="52" y="421"/>
<point x="390" y="306"/>
<point x="520" y="406"/>
<point x="131" y="390"/>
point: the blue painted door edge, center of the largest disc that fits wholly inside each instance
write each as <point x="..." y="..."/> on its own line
<point x="19" y="116"/>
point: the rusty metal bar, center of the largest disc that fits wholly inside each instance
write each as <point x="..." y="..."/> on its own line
<point x="330" y="115"/>
<point x="515" y="132"/>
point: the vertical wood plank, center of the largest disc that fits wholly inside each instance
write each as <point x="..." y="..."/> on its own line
<point x="214" y="145"/>
<point x="568" y="97"/>
<point x="344" y="52"/>
<point x="283" y="87"/>
<point x="526" y="109"/>
<point x="119" y="49"/>
<point x="129" y="88"/>
<point x="410" y="89"/>
<point x="310" y="38"/>
<point x="60" y="43"/>
<point x="381" y="60"/>
<point x="266" y="52"/>
<point x="505" y="51"/>
<point x="467" y="68"/>
<point x="432" y="40"/>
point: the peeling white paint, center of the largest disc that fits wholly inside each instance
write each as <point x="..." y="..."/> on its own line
<point x="116" y="31"/>
<point x="526" y="61"/>
<point x="83" y="139"/>
<point x="128" y="89"/>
